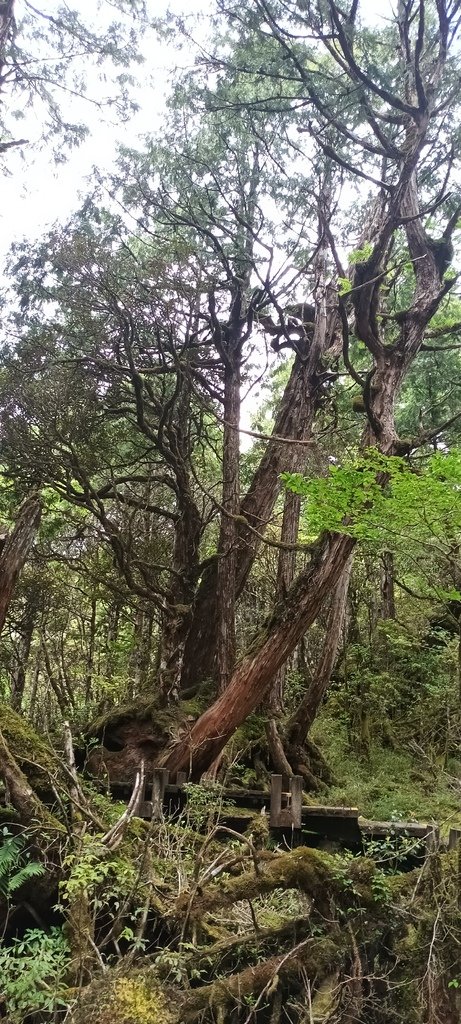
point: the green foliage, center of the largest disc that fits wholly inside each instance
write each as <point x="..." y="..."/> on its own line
<point x="360" y="255"/>
<point x="204" y="804"/>
<point x="100" y="876"/>
<point x="372" y="496"/>
<point x="33" y="974"/>
<point x="16" y="868"/>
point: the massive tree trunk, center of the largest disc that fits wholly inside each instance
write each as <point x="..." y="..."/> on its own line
<point x="16" y="549"/>
<point x="285" y="452"/>
<point x="253" y="676"/>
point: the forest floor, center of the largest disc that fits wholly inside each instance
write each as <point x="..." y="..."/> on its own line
<point x="401" y="783"/>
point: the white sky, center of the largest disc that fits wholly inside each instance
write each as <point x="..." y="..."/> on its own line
<point x="36" y="192"/>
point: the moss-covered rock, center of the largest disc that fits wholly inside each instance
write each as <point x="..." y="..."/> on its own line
<point x="116" y="998"/>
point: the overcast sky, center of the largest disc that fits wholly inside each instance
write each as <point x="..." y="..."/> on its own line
<point x="36" y="191"/>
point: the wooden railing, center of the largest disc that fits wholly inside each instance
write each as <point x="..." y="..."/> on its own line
<point x="288" y="814"/>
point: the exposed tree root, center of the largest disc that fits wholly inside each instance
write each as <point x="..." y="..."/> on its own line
<point x="313" y="956"/>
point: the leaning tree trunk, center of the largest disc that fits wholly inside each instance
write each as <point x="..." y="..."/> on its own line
<point x="254" y="675"/>
<point x="16" y="549"/>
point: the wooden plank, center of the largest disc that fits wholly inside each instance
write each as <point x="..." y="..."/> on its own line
<point x="381" y="829"/>
<point x="330" y="812"/>
<point x="276" y="802"/>
<point x="296" y="800"/>
<point x="286" y="805"/>
<point x="432" y="840"/>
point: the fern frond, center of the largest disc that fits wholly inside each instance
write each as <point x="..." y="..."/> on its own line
<point x="31" y="870"/>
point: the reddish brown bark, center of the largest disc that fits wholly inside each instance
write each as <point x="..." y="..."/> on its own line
<point x="16" y="549"/>
<point x="252" y="677"/>
<point x="294" y="421"/>
<point x="254" y="674"/>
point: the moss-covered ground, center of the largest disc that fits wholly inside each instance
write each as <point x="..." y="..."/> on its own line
<point x="390" y="783"/>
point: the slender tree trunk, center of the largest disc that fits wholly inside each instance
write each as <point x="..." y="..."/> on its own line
<point x="18" y="680"/>
<point x="301" y="722"/>
<point x="286" y="568"/>
<point x="91" y="642"/>
<point x="16" y="549"/>
<point x="227" y="545"/>
<point x="178" y="613"/>
<point x="387" y="586"/>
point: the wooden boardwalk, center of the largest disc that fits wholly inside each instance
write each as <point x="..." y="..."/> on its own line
<point x="289" y="819"/>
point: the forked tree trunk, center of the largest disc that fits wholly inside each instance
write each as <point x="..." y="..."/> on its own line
<point x="300" y="723"/>
<point x="16" y="549"/>
<point x="294" y="422"/>
<point x="252" y="678"/>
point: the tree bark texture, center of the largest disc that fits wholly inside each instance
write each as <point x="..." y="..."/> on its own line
<point x="253" y="675"/>
<point x="387" y="586"/>
<point x="16" y="549"/>
<point x="178" y="610"/>
<point x="22" y="652"/>
<point x="251" y="680"/>
<point x="293" y="422"/>
<point x="227" y="544"/>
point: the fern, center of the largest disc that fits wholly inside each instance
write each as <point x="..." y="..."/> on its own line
<point x="15" y="866"/>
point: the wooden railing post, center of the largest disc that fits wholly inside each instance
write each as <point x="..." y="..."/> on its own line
<point x="286" y="806"/>
<point x="454" y="838"/>
<point x="159" y="782"/>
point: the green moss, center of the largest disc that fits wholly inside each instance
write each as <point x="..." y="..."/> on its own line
<point x="136" y="998"/>
<point x="34" y="756"/>
<point x="390" y="784"/>
<point x="143" y="709"/>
